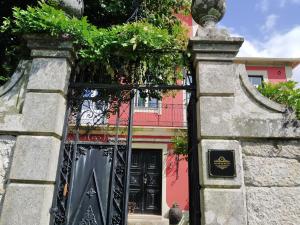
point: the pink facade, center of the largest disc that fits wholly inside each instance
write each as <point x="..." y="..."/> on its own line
<point x="177" y="182"/>
<point x="274" y="73"/>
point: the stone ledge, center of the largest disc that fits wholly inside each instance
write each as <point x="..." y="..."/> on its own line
<point x="205" y="49"/>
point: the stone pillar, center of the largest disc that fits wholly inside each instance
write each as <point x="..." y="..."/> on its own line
<point x="34" y="166"/>
<point x="222" y="199"/>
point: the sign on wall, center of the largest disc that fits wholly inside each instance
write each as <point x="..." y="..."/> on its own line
<point x="221" y="163"/>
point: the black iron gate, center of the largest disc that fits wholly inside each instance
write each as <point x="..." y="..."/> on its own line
<point x="93" y="176"/>
<point x="93" y="179"/>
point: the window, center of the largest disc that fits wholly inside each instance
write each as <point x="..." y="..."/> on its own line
<point x="256" y="80"/>
<point x="147" y="102"/>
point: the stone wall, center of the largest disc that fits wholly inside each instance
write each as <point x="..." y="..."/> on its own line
<point x="264" y="136"/>
<point x="12" y="95"/>
<point x="272" y="181"/>
<point x="32" y="108"/>
<point x="6" y="149"/>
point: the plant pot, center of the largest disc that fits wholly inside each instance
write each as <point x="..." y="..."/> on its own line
<point x="175" y="215"/>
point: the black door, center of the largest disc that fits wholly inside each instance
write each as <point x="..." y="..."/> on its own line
<point x="145" y="181"/>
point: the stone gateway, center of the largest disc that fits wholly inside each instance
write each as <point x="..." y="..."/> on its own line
<point x="248" y="146"/>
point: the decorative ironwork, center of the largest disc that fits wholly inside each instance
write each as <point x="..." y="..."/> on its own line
<point x="108" y="152"/>
<point x="91" y="192"/>
<point x="81" y="151"/>
<point x="119" y="203"/>
<point x="59" y="211"/>
<point x="89" y="217"/>
<point x="118" y="194"/>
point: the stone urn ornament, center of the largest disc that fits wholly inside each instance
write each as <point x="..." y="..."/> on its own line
<point x="175" y="214"/>
<point x="72" y="7"/>
<point x="207" y="13"/>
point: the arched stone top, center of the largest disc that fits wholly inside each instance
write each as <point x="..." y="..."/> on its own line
<point x="18" y="74"/>
<point x="256" y="95"/>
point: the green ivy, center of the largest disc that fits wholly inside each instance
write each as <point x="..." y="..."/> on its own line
<point x="285" y="93"/>
<point x="112" y="46"/>
<point x="180" y="143"/>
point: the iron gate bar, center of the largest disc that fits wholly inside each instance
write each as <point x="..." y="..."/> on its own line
<point x="193" y="166"/>
<point x="132" y="87"/>
<point x="129" y="153"/>
<point x="57" y="210"/>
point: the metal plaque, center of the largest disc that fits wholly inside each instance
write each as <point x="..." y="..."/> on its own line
<point x="221" y="163"/>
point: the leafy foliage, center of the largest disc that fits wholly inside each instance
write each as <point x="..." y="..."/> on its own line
<point x="158" y="12"/>
<point x="128" y="44"/>
<point x="12" y="47"/>
<point x="285" y="93"/>
<point x="180" y="143"/>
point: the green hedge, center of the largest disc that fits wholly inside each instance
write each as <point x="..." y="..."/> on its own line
<point x="286" y="93"/>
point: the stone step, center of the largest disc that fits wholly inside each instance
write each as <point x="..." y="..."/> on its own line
<point x="147" y="220"/>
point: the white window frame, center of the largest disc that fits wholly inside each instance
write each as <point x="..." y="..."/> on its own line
<point x="262" y="73"/>
<point x="146" y="108"/>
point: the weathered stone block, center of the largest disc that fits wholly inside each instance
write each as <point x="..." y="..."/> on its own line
<point x="49" y="74"/>
<point x="27" y="204"/>
<point x="234" y="117"/>
<point x="276" y="206"/>
<point x="44" y="112"/>
<point x="223" y="207"/>
<point x="271" y="171"/>
<point x="43" y="151"/>
<point x="207" y="181"/>
<point x="13" y="91"/>
<point x="11" y="123"/>
<point x="215" y="79"/>
<point x="286" y="149"/>
<point x="215" y="116"/>
<point x="6" y="148"/>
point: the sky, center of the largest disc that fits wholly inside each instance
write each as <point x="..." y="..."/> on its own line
<point x="271" y="28"/>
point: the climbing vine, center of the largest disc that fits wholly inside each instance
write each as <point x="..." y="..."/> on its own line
<point x="110" y="43"/>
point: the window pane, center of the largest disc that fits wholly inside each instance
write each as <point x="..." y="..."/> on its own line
<point x="153" y="103"/>
<point x="141" y="102"/>
<point x="256" y="80"/>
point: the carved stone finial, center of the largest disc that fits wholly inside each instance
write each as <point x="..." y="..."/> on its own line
<point x="73" y="7"/>
<point x="208" y="12"/>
